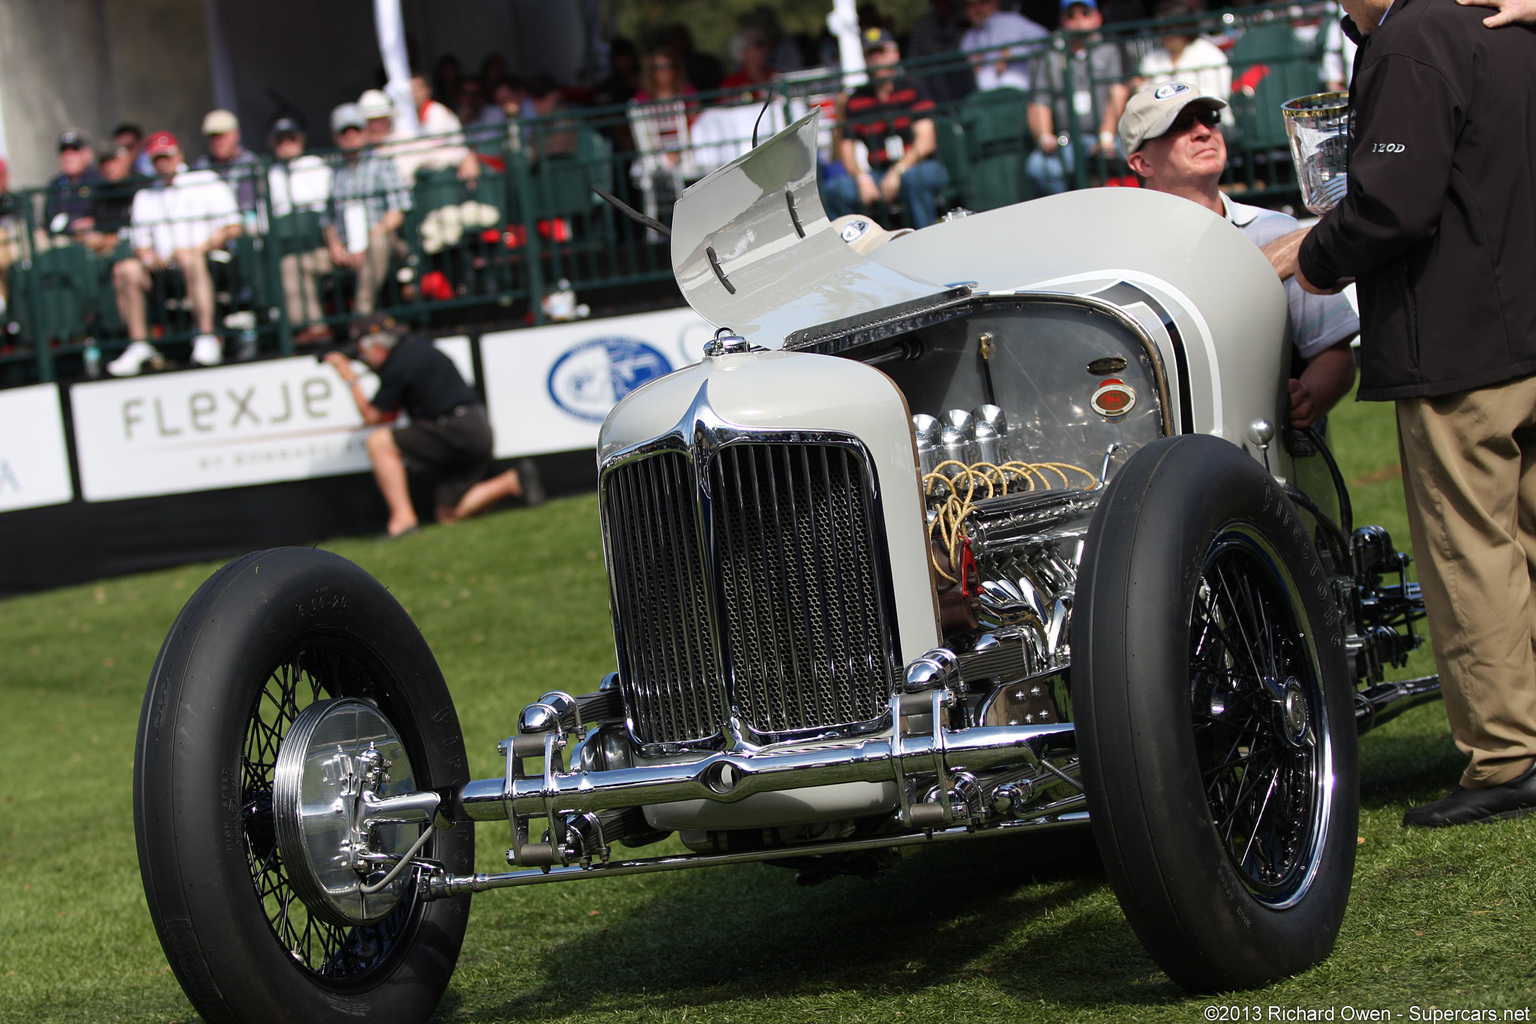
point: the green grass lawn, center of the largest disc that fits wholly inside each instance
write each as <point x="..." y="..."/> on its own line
<point x="515" y="604"/>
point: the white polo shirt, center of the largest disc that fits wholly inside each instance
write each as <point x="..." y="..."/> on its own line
<point x="302" y="184"/>
<point x="183" y="214"/>
<point x="1317" y="321"/>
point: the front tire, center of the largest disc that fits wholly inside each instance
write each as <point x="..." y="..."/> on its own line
<point x="266" y="636"/>
<point x="1215" y="718"/>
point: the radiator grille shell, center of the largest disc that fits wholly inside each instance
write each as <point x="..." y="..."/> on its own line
<point x="751" y="591"/>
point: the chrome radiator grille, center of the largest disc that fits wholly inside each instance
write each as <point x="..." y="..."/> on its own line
<point x="787" y="592"/>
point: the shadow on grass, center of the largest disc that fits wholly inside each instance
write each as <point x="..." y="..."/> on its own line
<point x="1032" y="916"/>
<point x="1409" y="760"/>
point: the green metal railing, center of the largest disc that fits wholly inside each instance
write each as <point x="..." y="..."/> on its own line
<point x="531" y="224"/>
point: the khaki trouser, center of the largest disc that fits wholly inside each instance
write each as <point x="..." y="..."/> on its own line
<point x="10" y="252"/>
<point x="300" y="295"/>
<point x="131" y="280"/>
<point x="1469" y="476"/>
<point x="375" y="267"/>
<point x="300" y="269"/>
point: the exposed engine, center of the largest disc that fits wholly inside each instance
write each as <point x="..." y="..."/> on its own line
<point x="1006" y="538"/>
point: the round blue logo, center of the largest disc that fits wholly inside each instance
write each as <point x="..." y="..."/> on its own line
<point x="589" y="380"/>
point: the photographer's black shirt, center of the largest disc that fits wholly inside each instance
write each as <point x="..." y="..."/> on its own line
<point x="421" y="380"/>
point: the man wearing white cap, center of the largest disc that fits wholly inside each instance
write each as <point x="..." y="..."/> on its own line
<point x="1171" y="137"/>
<point x="230" y="160"/>
<point x="438" y="146"/>
<point x="378" y="112"/>
<point x="368" y="204"/>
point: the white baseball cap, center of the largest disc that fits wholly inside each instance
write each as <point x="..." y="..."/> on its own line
<point x="1153" y="109"/>
<point x="375" y="103"/>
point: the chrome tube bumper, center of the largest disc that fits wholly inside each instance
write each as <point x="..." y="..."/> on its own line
<point x="732" y="776"/>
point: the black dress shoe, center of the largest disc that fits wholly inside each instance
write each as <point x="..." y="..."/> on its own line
<point x="1515" y="799"/>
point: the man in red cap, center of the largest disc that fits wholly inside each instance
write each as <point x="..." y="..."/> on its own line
<point x="176" y="222"/>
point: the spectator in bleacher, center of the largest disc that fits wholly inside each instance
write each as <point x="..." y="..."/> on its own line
<point x="177" y="220"/>
<point x="474" y="107"/>
<point x="296" y="180"/>
<point x="231" y="161"/>
<point x="749" y="50"/>
<point x="449" y="432"/>
<point x="1078" y="89"/>
<point x="112" y="208"/>
<point x="445" y="79"/>
<point x="1186" y="55"/>
<point x="71" y="192"/>
<point x="783" y="51"/>
<point x="659" y="117"/>
<point x="1171" y="135"/>
<point x="438" y="143"/>
<point x="131" y="137"/>
<point x="11" y="230"/>
<point x="664" y="92"/>
<point x="992" y="29"/>
<point x="367" y="206"/>
<point x="546" y="99"/>
<point x="702" y="71"/>
<point x="493" y="71"/>
<point x="663" y="78"/>
<point x="484" y="122"/>
<point x="378" y="112"/>
<point x="298" y="183"/>
<point x="623" y="78"/>
<point x="936" y="32"/>
<point x="511" y="97"/>
<point x="441" y="142"/>
<point x="889" y="119"/>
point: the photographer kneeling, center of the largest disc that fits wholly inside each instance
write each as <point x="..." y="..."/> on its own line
<point x="448" y="432"/>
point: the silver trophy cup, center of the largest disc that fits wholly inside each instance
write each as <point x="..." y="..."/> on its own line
<point x="1318" y="128"/>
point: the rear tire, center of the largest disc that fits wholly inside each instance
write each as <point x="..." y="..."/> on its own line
<point x="1215" y="718"/>
<point x="263" y="638"/>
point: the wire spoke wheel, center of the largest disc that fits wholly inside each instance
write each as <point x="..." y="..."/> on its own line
<point x="1254" y="699"/>
<point x="266" y="637"/>
<point x="321" y="947"/>
<point x="1215" y="717"/>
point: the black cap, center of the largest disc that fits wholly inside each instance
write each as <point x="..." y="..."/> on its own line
<point x="285" y="126"/>
<point x="376" y="323"/>
<point x="73" y="139"/>
<point x="108" y="149"/>
<point x="876" y="39"/>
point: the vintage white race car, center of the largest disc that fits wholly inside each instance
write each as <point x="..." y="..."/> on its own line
<point x="993" y="528"/>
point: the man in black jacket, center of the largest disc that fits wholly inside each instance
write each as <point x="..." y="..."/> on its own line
<point x="1439" y="229"/>
<point x="449" y="431"/>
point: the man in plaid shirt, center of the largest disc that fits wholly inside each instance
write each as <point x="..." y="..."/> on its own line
<point x="368" y="204"/>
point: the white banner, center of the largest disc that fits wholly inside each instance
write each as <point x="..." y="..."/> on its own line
<point x="548" y="389"/>
<point x="230" y="426"/>
<point x="34" y="462"/>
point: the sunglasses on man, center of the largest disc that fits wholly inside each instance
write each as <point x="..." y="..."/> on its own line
<point x="1191" y="114"/>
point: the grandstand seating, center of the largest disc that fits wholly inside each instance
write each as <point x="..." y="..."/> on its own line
<point x="532" y="219"/>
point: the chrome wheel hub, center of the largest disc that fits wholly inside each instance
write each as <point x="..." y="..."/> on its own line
<point x="1295" y="721"/>
<point x="346" y="810"/>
